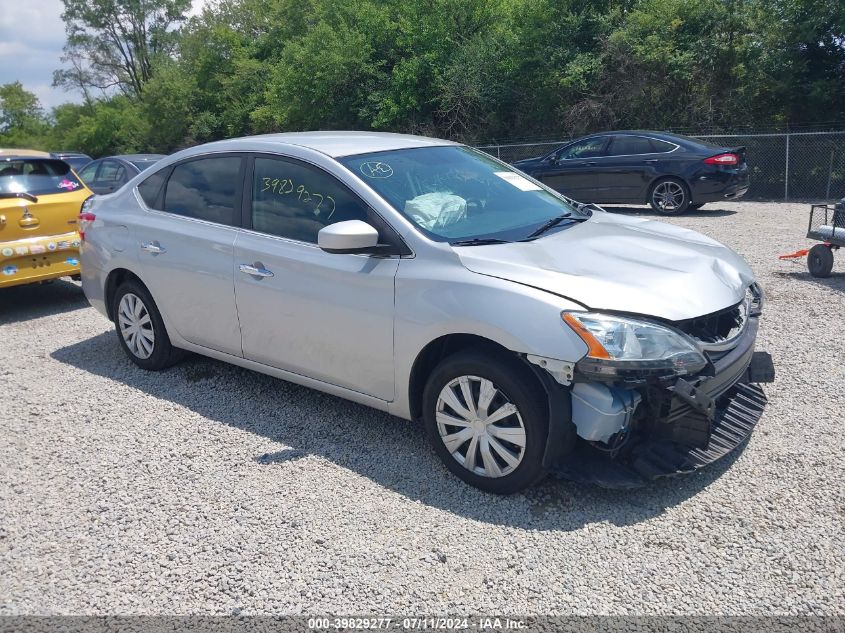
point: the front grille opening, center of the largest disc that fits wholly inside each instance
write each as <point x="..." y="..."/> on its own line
<point x="717" y="327"/>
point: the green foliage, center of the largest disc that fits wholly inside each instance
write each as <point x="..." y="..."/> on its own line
<point x="22" y="121"/>
<point x="464" y="69"/>
<point x="19" y="109"/>
<point x="166" y="108"/>
<point x="116" y="126"/>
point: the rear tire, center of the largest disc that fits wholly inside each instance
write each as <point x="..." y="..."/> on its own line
<point x="495" y="441"/>
<point x="140" y="328"/>
<point x="820" y="260"/>
<point x="696" y="206"/>
<point x="669" y="196"/>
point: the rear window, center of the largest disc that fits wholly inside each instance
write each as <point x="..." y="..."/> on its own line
<point x="699" y="141"/>
<point x="36" y="176"/>
<point x="143" y="165"/>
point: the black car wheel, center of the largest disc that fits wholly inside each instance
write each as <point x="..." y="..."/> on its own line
<point x="486" y="419"/>
<point x="695" y="206"/>
<point x="669" y="196"/>
<point x="820" y="260"/>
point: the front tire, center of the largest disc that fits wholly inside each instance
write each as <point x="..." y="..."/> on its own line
<point x="487" y="419"/>
<point x="140" y="328"/>
<point x="669" y="196"/>
<point x="820" y="260"/>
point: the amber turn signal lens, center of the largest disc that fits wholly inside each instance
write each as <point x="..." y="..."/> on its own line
<point x="594" y="348"/>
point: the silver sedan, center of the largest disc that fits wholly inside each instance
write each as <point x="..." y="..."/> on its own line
<point x="527" y="332"/>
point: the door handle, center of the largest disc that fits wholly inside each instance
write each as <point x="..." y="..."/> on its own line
<point x="256" y="270"/>
<point x="590" y="163"/>
<point x="153" y="247"/>
<point x="651" y="160"/>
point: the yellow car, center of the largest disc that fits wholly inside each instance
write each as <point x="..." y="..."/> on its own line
<point x="40" y="201"/>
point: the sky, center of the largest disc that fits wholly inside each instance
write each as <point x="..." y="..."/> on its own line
<point x="32" y="35"/>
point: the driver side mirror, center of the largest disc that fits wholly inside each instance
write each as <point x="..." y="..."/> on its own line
<point x="350" y="237"/>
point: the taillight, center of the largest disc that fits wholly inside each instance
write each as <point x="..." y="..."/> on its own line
<point x="722" y="159"/>
<point x="85" y="221"/>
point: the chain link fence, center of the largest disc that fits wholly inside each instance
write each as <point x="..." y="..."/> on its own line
<point x="789" y="166"/>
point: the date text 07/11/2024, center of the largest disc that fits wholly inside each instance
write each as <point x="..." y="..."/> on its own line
<point x="418" y="623"/>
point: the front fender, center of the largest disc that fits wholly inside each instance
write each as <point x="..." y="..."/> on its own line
<point x="434" y="300"/>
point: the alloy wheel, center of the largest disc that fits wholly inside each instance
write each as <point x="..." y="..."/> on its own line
<point x="668" y="195"/>
<point x="480" y="427"/>
<point x="136" y="326"/>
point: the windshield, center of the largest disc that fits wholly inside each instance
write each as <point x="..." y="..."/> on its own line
<point x="36" y="176"/>
<point x="456" y="193"/>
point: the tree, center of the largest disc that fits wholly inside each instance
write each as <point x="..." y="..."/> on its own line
<point x="467" y="69"/>
<point x="114" y="43"/>
<point x="226" y="54"/>
<point x="115" y="126"/>
<point x="167" y="102"/>
<point x="22" y="121"/>
<point x="19" y="108"/>
<point x="798" y="60"/>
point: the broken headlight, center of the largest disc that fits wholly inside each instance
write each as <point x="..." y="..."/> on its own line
<point x="630" y="349"/>
<point x="754" y="298"/>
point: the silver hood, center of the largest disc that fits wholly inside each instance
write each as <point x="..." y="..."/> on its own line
<point x="621" y="263"/>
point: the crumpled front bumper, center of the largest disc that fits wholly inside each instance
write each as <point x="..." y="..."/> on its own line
<point x="737" y="412"/>
<point x="694" y="423"/>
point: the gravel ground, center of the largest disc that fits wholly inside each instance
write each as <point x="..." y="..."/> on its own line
<point x="211" y="489"/>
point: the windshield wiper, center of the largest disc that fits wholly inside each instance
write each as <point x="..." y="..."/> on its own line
<point x="583" y="207"/>
<point x="549" y="224"/>
<point x="588" y="207"/>
<point x="479" y="241"/>
<point x="24" y="195"/>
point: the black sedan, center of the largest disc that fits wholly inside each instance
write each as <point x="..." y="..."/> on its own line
<point x="671" y="173"/>
<point x="106" y="175"/>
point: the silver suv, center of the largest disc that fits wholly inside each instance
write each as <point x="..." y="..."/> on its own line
<point x="424" y="278"/>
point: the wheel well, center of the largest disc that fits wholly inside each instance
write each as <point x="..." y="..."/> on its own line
<point x="113" y="281"/>
<point x="436" y="351"/>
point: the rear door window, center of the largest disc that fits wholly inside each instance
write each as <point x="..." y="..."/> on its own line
<point x="150" y="189"/>
<point x="205" y="189"/>
<point x="661" y="147"/>
<point x="629" y="146"/>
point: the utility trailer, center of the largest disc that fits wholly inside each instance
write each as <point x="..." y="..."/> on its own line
<point x="827" y="225"/>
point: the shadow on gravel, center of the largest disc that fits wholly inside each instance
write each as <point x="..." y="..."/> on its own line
<point x="706" y="212"/>
<point x="21" y="303"/>
<point x="836" y="281"/>
<point x="391" y="452"/>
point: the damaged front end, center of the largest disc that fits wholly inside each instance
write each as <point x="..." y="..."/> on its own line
<point x="655" y="399"/>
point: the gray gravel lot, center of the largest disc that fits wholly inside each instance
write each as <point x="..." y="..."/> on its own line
<point x="212" y="489"/>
